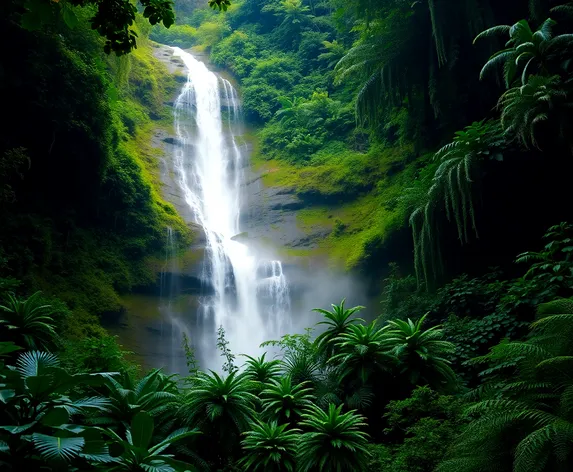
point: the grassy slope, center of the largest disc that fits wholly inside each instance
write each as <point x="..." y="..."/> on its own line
<point x="355" y="195"/>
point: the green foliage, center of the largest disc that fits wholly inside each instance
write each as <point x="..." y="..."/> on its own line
<point x="452" y="190"/>
<point x="428" y="423"/>
<point x="223" y="346"/>
<point x="28" y="323"/>
<point x="553" y="266"/>
<point x="393" y="71"/>
<point x="539" y="101"/>
<point x="223" y="408"/>
<point x="112" y="19"/>
<point x="155" y="394"/>
<point x="402" y="298"/>
<point x="95" y="354"/>
<point x="93" y="152"/>
<point x="337" y="321"/>
<point x="522" y="420"/>
<point x="527" y="52"/>
<point x="422" y="354"/>
<point x="361" y="353"/>
<point x="136" y="452"/>
<point x="261" y="371"/>
<point x="38" y="417"/>
<point x="183" y="36"/>
<point x="542" y="103"/>
<point x="333" y="440"/>
<point x="270" y="447"/>
<point x="305" y="126"/>
<point x="284" y="402"/>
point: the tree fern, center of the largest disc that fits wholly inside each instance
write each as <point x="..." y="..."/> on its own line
<point x="387" y="58"/>
<point x="527" y="52"/>
<point x="528" y="424"/>
<point x="540" y="104"/>
<point x="451" y="191"/>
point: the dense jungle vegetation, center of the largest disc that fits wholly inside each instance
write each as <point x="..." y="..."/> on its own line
<point x="446" y="120"/>
<point x="351" y="100"/>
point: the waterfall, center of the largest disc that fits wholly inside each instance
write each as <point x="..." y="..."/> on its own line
<point x="208" y="163"/>
<point x="273" y="288"/>
<point x="173" y="327"/>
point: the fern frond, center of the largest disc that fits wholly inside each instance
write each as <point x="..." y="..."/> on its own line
<point x="494" y="31"/>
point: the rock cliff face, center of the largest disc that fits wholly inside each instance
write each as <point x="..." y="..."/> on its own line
<point x="270" y="214"/>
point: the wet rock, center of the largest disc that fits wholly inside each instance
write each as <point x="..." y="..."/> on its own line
<point x="291" y="204"/>
<point x="172" y="140"/>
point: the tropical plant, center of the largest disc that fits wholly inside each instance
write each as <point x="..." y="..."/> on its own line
<point x="337" y="322"/>
<point x="288" y="110"/>
<point x="333" y="441"/>
<point x="156" y="394"/>
<point x="424" y="425"/>
<point x="552" y="266"/>
<point x="226" y="400"/>
<point x="37" y="415"/>
<point x="540" y="105"/>
<point x="393" y="70"/>
<point x="135" y="453"/>
<point x="112" y="19"/>
<point x="527" y="52"/>
<point x="284" y="401"/>
<point x="222" y="408"/>
<point x="300" y="358"/>
<point x="379" y="59"/>
<point x="422" y="354"/>
<point x="294" y="15"/>
<point x="260" y="370"/>
<point x="361" y="353"/>
<point x="524" y="420"/>
<point x="334" y="52"/>
<point x="452" y="187"/>
<point x="270" y="447"/>
<point x="28" y="323"/>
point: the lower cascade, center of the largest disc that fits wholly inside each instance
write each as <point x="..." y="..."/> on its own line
<point x="247" y="296"/>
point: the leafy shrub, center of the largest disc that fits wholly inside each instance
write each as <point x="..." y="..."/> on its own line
<point x="423" y="425"/>
<point x="183" y="36"/>
<point x="95" y="354"/>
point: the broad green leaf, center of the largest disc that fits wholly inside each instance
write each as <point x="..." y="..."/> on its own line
<point x="39" y="384"/>
<point x="142" y="429"/>
<point x="56" y="417"/>
<point x="69" y="16"/>
<point x="96" y="451"/>
<point x="18" y="428"/>
<point x="34" y="363"/>
<point x="51" y="447"/>
<point x="6" y="394"/>
<point x="8" y="347"/>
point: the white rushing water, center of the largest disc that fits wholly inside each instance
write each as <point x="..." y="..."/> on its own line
<point x="249" y="296"/>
